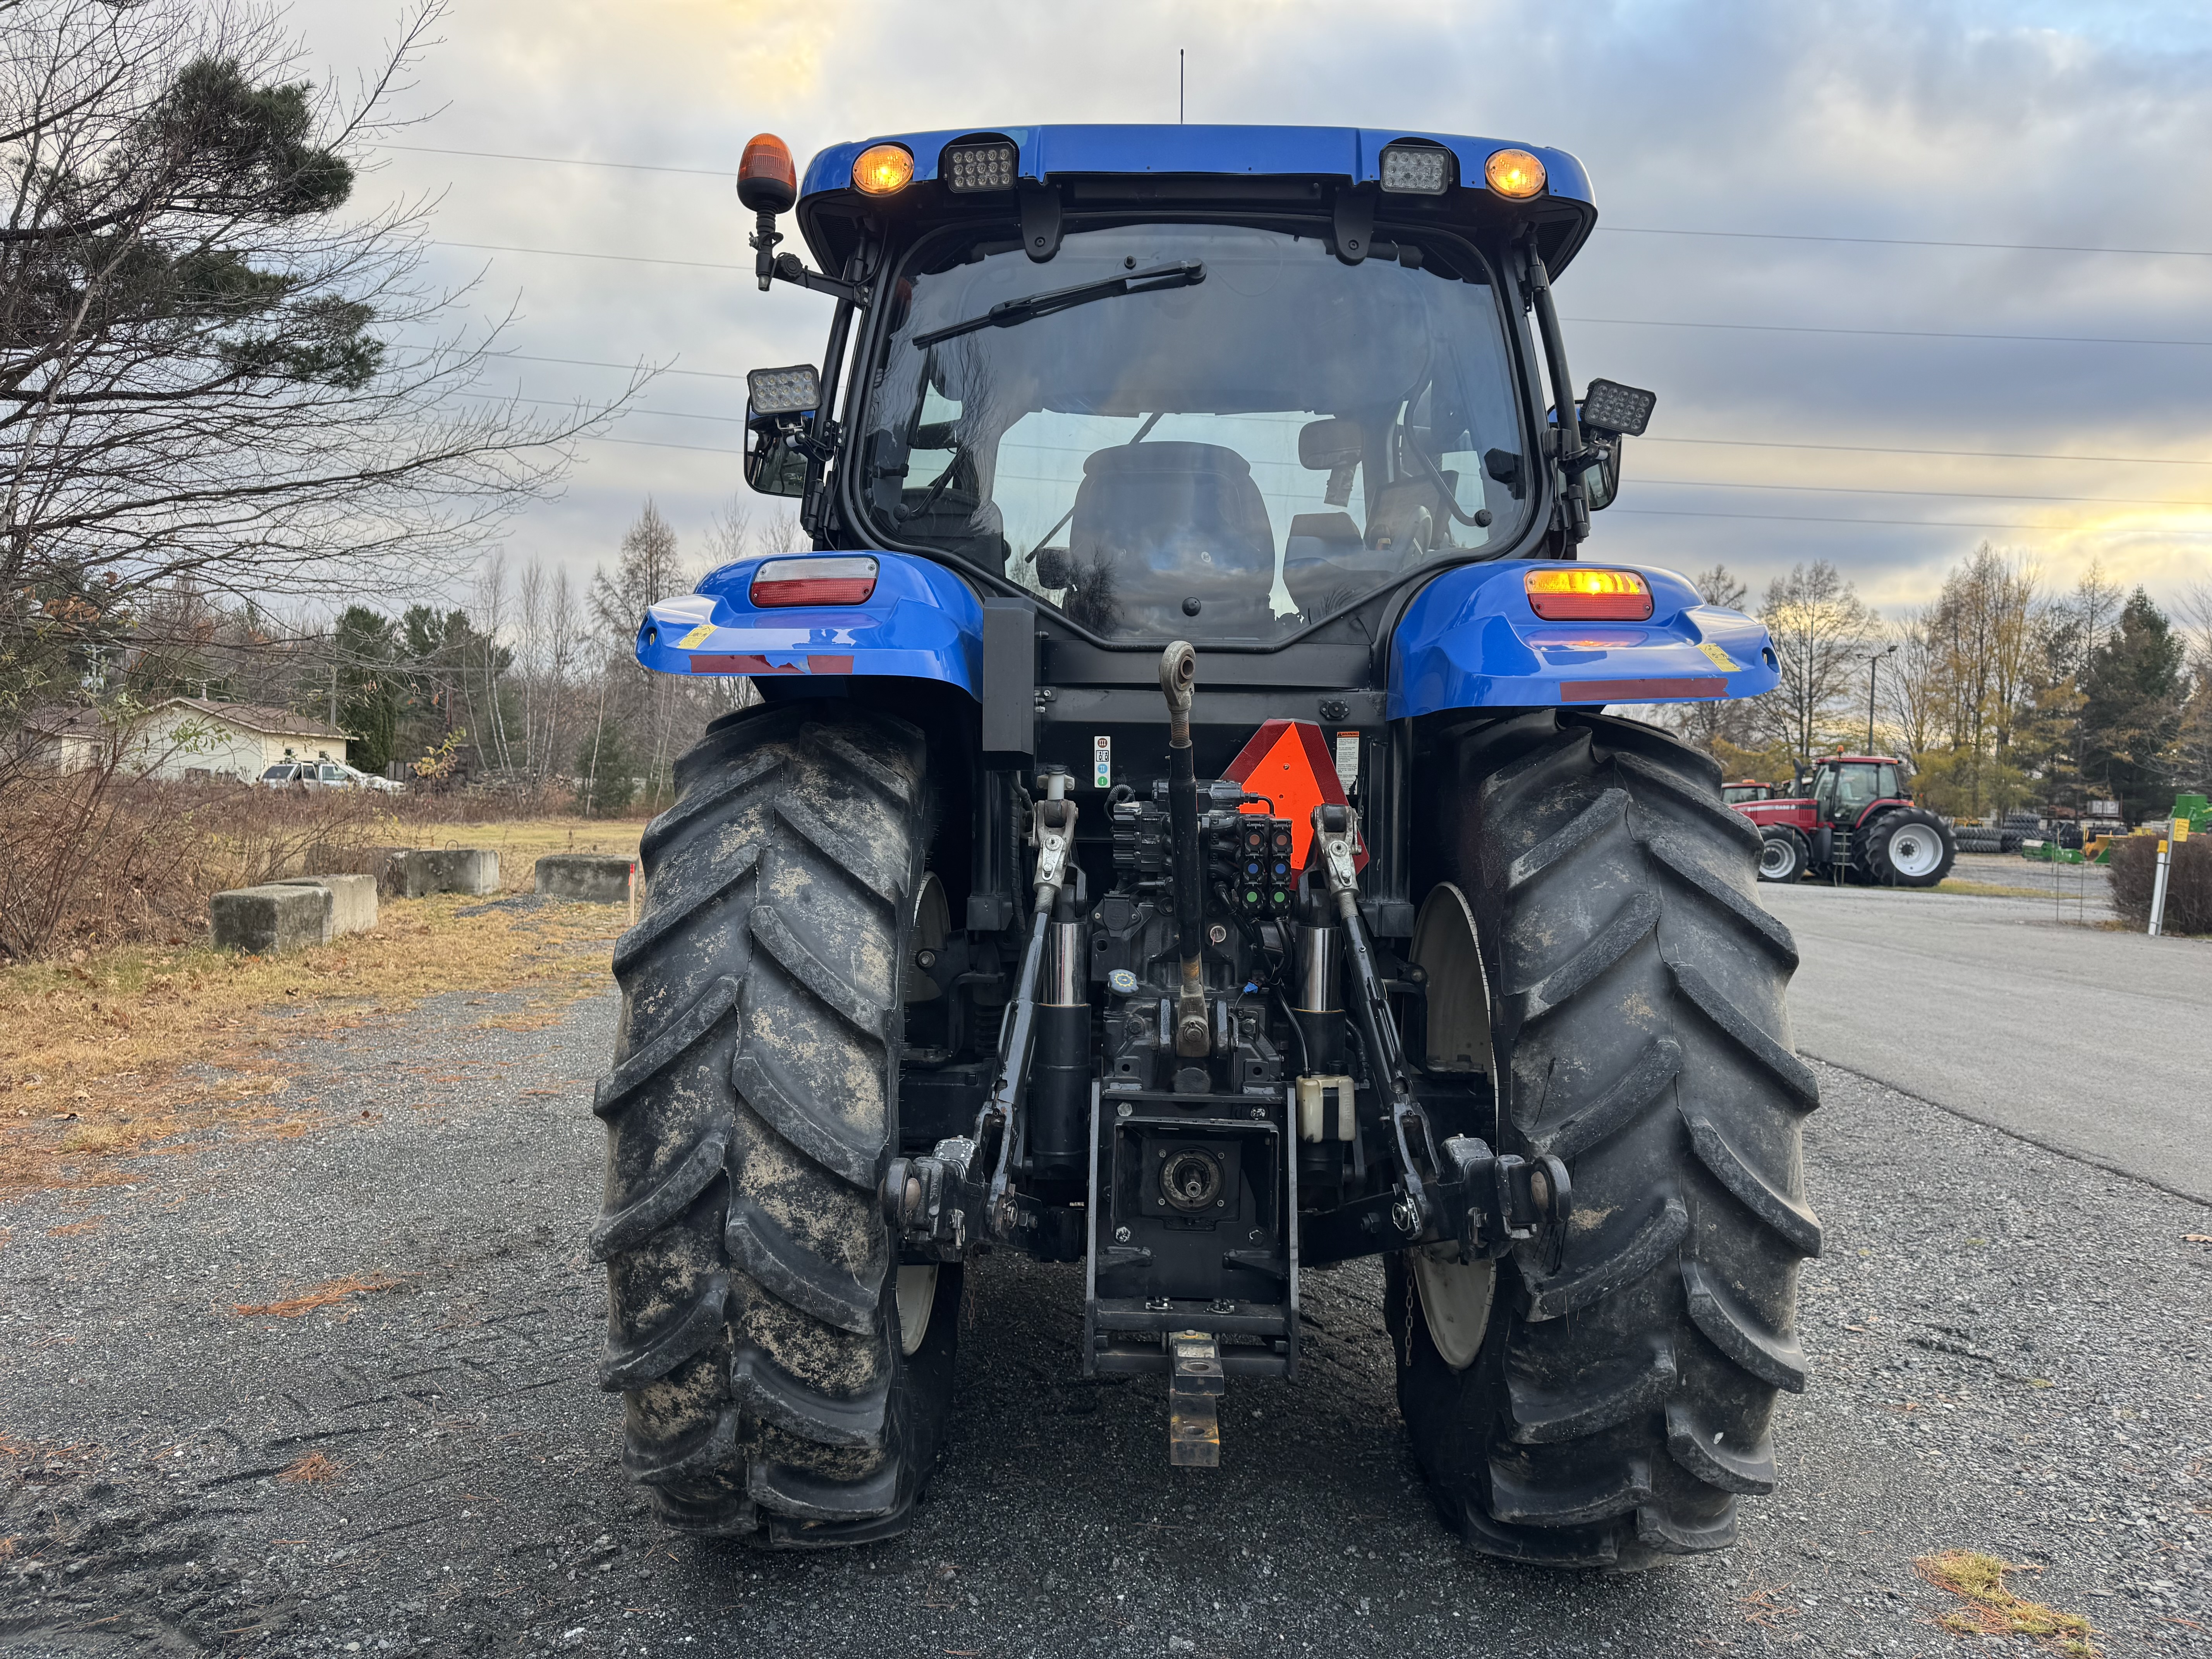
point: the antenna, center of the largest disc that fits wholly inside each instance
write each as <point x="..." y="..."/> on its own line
<point x="1178" y="86"/>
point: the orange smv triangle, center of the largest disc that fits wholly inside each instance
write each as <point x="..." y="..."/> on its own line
<point x="1287" y="761"/>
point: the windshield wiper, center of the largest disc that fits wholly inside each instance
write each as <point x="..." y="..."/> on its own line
<point x="1183" y="273"/>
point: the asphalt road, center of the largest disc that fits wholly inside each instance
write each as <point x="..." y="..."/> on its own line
<point x="2029" y="1014"/>
<point x="2008" y="1352"/>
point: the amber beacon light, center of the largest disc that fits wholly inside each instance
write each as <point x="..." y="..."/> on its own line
<point x="1514" y="173"/>
<point x="883" y="169"/>
<point x="1578" y="593"/>
<point x="766" y="182"/>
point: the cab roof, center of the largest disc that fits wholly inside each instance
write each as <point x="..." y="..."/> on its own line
<point x="1208" y="163"/>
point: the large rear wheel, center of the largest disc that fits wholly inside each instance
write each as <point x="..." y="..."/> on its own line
<point x="1614" y="1402"/>
<point x="1910" y="846"/>
<point x="783" y="1375"/>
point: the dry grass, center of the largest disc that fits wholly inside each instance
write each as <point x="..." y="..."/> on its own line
<point x="127" y="1051"/>
<point x="312" y="1467"/>
<point x="1990" y="1609"/>
<point x="328" y="1294"/>
<point x="1992" y="889"/>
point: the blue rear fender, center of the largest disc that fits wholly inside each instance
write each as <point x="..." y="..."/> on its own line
<point x="1470" y="640"/>
<point x="922" y="623"/>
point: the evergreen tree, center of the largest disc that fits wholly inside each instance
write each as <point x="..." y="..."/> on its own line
<point x="604" y="777"/>
<point x="372" y="686"/>
<point x="2131" y="710"/>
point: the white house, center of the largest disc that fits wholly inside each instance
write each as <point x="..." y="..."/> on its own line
<point x="185" y="737"/>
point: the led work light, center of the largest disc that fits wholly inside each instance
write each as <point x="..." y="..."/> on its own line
<point x="1575" y="592"/>
<point x="784" y="391"/>
<point x="978" y="166"/>
<point x="1609" y="406"/>
<point x="1416" y="169"/>
<point x="1514" y="173"/>
<point x="883" y="169"/>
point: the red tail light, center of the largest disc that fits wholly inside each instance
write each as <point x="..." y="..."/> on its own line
<point x="1573" y="592"/>
<point x="814" y="581"/>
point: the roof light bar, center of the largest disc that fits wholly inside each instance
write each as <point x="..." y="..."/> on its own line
<point x="883" y="169"/>
<point x="1514" y="173"/>
<point x="1574" y="593"/>
<point x="1416" y="169"/>
<point x="784" y="391"/>
<point x="845" y="581"/>
<point x="968" y="167"/>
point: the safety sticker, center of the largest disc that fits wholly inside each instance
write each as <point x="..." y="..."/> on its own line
<point x="1102" y="762"/>
<point x="1720" y="659"/>
<point x="1347" y="759"/>
<point x="698" y="636"/>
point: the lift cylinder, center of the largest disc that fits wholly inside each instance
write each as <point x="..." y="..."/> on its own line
<point x="1316" y="994"/>
<point x="1060" y="1074"/>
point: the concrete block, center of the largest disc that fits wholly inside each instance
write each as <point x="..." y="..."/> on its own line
<point x="353" y="900"/>
<point x="420" y="872"/>
<point x="267" y="920"/>
<point x="591" y="877"/>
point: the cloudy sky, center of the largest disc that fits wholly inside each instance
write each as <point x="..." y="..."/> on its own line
<point x="1783" y="187"/>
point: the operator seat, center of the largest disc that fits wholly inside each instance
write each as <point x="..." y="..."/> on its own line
<point x="1159" y="524"/>
<point x="1327" y="561"/>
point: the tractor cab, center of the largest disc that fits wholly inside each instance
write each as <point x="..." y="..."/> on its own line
<point x="1844" y="787"/>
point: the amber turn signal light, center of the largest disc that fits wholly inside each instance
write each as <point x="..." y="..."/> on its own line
<point x="1578" y="594"/>
<point x="766" y="182"/>
<point x="1514" y="173"/>
<point x="883" y="169"/>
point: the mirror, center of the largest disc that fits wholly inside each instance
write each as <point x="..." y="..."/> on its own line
<point x="1603" y="481"/>
<point x="772" y="466"/>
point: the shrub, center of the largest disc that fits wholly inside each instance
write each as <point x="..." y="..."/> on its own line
<point x="2188" y="884"/>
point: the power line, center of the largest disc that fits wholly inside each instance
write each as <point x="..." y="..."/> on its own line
<point x="1912" y="241"/>
<point x="1807" y="518"/>
<point x="1884" y="333"/>
<point x="593" y="362"/>
<point x="576" y="253"/>
<point x="1888" y="449"/>
<point x="561" y="161"/>
<point x="1613" y="322"/>
<point x="1958" y="495"/>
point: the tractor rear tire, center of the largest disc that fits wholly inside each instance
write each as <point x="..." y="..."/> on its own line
<point x="1782" y="855"/>
<point x="1620" y="1397"/>
<point x="784" y="1378"/>
<point x="1909" y="847"/>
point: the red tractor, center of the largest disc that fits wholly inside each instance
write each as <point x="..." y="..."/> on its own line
<point x="1850" y="819"/>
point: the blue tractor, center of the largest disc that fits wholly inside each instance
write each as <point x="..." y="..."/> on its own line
<point x="1181" y="834"/>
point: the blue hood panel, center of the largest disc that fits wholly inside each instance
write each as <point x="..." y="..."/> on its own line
<point x="1470" y="641"/>
<point x="922" y="623"/>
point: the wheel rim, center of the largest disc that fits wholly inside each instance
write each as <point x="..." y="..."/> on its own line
<point x="1458" y="996"/>
<point x="1915" y="850"/>
<point x="1455" y="1296"/>
<point x="917" y="1295"/>
<point x="1775" y="857"/>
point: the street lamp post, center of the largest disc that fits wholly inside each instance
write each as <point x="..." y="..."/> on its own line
<point x="1874" y="668"/>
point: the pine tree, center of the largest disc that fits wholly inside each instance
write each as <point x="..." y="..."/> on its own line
<point x="2132" y="709"/>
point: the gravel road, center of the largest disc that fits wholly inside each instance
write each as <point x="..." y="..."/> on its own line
<point x="2093" y="1042"/>
<point x="2009" y="1353"/>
